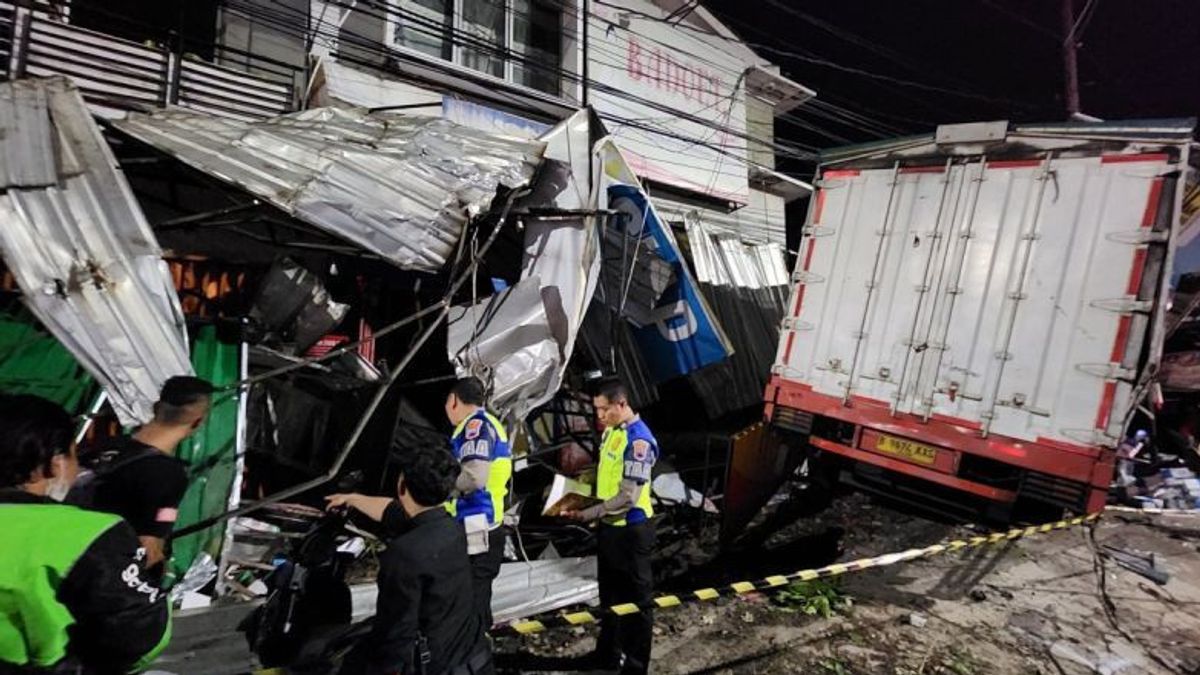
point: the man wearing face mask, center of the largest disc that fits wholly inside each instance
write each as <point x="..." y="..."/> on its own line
<point x="139" y="478"/>
<point x="73" y="596"/>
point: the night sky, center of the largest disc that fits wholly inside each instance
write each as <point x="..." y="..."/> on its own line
<point x="1137" y="59"/>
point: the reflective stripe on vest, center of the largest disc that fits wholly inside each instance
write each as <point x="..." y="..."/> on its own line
<point x="611" y="471"/>
<point x="499" y="474"/>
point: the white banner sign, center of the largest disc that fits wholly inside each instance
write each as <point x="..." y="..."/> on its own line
<point x="643" y="70"/>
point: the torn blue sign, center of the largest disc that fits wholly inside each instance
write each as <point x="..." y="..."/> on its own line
<point x="683" y="336"/>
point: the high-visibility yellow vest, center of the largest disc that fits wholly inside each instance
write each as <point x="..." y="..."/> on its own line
<point x="627" y="450"/>
<point x="490" y="499"/>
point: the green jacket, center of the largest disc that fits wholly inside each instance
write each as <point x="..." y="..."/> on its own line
<point x="71" y="589"/>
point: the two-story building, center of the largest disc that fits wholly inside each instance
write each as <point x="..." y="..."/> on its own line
<point x="691" y="104"/>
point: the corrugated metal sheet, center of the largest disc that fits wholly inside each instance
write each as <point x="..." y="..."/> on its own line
<point x="230" y="93"/>
<point x="746" y="285"/>
<point x="400" y="186"/>
<point x="762" y="220"/>
<point x="521" y="340"/>
<point x="81" y="250"/>
<point x="522" y="589"/>
<point x="26" y="138"/>
<point x="506" y="340"/>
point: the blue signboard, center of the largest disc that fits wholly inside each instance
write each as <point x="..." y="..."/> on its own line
<point x="684" y="336"/>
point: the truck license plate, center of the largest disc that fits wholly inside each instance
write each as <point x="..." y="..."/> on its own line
<point x="913" y="452"/>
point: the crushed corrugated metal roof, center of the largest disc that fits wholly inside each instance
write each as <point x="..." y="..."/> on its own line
<point x="400" y="186"/>
<point x="508" y="335"/>
<point x="80" y="248"/>
<point x="520" y="341"/>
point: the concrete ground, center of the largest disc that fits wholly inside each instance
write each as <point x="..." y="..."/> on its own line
<point x="1045" y="604"/>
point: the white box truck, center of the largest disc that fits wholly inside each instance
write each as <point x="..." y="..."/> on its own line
<point x="977" y="313"/>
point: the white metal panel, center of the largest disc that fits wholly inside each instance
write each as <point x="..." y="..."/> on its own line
<point x="85" y="258"/>
<point x="989" y="293"/>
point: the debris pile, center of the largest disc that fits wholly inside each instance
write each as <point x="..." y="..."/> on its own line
<point x="1176" y="488"/>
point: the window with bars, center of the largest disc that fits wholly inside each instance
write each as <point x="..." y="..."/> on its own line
<point x="520" y="41"/>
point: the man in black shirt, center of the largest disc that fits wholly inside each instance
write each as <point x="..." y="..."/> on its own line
<point x="425" y="619"/>
<point x="146" y="481"/>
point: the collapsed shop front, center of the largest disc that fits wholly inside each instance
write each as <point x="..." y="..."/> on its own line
<point x="331" y="271"/>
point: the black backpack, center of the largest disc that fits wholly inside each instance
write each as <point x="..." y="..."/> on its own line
<point x="83" y="491"/>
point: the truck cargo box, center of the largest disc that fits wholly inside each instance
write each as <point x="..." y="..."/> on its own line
<point x="982" y="309"/>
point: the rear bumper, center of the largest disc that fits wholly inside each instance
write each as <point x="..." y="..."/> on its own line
<point x="1088" y="468"/>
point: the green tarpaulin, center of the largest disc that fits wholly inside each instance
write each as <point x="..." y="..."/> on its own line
<point x="34" y="362"/>
<point x="211" y="455"/>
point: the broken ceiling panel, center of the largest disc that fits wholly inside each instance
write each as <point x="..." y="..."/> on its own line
<point x="400" y="186"/>
<point x="80" y="248"/>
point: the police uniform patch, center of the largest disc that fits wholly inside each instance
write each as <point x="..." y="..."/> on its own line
<point x="641" y="450"/>
<point x="473" y="428"/>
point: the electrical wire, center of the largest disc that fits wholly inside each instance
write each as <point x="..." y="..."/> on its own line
<point x="863" y="43"/>
<point x="615" y="28"/>
<point x="825" y="62"/>
<point x="1081" y="23"/>
<point x="455" y="36"/>
<point x="828" y="111"/>
<point x="1032" y="25"/>
<point x="439" y="30"/>
<point x="646" y="128"/>
<point x="599" y="47"/>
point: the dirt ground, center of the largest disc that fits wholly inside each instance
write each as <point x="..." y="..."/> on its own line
<point x="1044" y="604"/>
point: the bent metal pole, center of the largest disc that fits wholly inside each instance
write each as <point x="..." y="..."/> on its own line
<point x="380" y="392"/>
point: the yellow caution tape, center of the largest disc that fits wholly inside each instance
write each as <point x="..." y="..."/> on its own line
<point x="531" y="626"/>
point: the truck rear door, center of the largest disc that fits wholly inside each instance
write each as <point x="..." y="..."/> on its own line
<point x="1006" y="296"/>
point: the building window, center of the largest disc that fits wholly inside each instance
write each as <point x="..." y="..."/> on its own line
<point x="516" y="40"/>
<point x="423" y="25"/>
<point x="537" y="40"/>
<point x="483" y="31"/>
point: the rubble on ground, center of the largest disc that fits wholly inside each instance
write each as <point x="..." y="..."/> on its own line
<point x="1035" y="605"/>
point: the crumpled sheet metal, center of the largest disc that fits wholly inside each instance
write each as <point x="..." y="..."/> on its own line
<point x="400" y="186"/>
<point x="522" y="589"/>
<point x="81" y="250"/>
<point x="564" y="254"/>
<point x="560" y="268"/>
<point x="506" y="340"/>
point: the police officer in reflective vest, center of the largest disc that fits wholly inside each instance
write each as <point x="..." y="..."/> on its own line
<point x="480" y="444"/>
<point x="626" y="536"/>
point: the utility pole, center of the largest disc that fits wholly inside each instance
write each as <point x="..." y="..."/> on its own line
<point x="1070" y="62"/>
